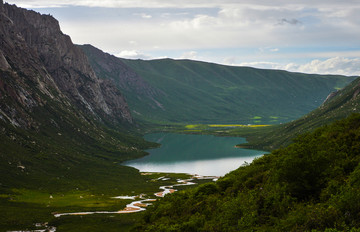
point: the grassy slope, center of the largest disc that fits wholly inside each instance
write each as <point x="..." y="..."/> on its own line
<point x="67" y="154"/>
<point x="312" y="185"/>
<point x="76" y="161"/>
<point x="346" y="102"/>
<point x="210" y="93"/>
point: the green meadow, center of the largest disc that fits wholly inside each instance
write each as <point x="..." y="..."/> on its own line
<point x="24" y="208"/>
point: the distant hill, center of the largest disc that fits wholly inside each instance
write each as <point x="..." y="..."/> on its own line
<point x="338" y="105"/>
<point x="169" y="90"/>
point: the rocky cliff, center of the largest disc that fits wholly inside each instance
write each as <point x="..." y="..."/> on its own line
<point x="39" y="62"/>
<point x="139" y="93"/>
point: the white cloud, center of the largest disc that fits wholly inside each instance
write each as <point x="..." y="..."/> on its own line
<point x="143" y="15"/>
<point x="229" y="60"/>
<point x="133" y="54"/>
<point x="262" y="64"/>
<point x="285" y="31"/>
<point x="231" y="23"/>
<point x="192" y="55"/>
<point x="335" y="65"/>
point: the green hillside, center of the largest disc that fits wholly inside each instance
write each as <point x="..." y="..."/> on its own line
<point x="189" y="91"/>
<point x="342" y="104"/>
<point x="68" y="155"/>
<point x="63" y="131"/>
<point x="204" y="92"/>
<point x="312" y="185"/>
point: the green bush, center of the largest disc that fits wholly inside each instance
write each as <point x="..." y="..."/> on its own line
<point x="312" y="185"/>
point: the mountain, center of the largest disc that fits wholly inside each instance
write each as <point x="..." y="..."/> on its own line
<point x="65" y="125"/>
<point x="139" y="93"/>
<point x="36" y="56"/>
<point x="63" y="131"/>
<point x="338" y="105"/>
<point x="312" y="185"/>
<point x="199" y="92"/>
<point x="58" y="120"/>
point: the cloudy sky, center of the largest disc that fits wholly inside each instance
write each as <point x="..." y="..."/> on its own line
<point x="312" y="36"/>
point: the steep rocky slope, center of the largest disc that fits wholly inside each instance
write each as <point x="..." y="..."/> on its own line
<point x="58" y="120"/>
<point x="37" y="61"/>
<point x="139" y="93"/>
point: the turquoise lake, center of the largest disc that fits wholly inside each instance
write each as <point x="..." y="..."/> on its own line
<point x="206" y="155"/>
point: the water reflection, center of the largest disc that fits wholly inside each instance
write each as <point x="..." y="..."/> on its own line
<point x="195" y="154"/>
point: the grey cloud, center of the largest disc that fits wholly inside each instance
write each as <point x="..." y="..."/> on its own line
<point x="284" y="21"/>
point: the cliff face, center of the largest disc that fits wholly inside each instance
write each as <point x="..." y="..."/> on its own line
<point x="139" y="93"/>
<point x="110" y="67"/>
<point x="37" y="61"/>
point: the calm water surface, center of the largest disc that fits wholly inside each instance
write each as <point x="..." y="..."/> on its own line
<point x="195" y="154"/>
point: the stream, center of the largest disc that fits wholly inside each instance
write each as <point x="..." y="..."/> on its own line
<point x="141" y="202"/>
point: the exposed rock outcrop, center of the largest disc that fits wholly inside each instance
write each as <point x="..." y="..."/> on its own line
<point x="107" y="66"/>
<point x="38" y="61"/>
<point x="330" y="96"/>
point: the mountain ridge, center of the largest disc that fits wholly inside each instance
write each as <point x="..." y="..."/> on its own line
<point x="33" y="45"/>
<point x="201" y="92"/>
<point x="57" y="118"/>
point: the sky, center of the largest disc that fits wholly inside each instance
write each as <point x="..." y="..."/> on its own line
<point x="310" y="36"/>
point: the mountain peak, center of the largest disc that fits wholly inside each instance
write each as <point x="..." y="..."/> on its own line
<point x="40" y="56"/>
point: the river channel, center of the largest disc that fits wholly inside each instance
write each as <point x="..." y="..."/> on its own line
<point x="205" y="155"/>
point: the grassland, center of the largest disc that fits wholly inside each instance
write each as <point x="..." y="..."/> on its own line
<point x="24" y="208"/>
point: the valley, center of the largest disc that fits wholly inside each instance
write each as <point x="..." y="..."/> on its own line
<point x="83" y="135"/>
<point x="184" y="91"/>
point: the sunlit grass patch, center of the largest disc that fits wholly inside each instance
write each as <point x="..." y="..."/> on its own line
<point x="191" y="126"/>
<point x="226" y="125"/>
<point x="257" y="125"/>
<point x="235" y="125"/>
<point x="4" y="196"/>
<point x="77" y="198"/>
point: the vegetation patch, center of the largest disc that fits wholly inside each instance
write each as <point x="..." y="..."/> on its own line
<point x="256" y="117"/>
<point x="192" y="126"/>
<point x="206" y="127"/>
<point x="78" y="199"/>
<point x="236" y="125"/>
<point x="311" y="185"/>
